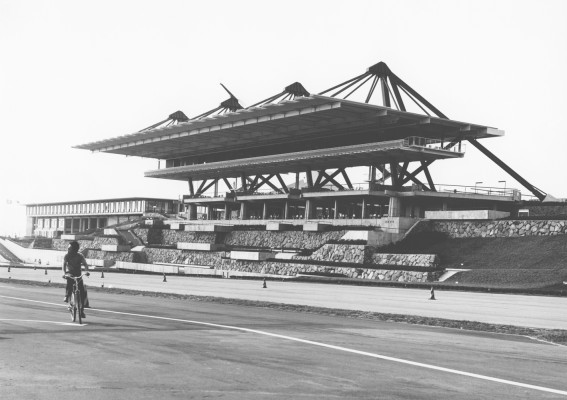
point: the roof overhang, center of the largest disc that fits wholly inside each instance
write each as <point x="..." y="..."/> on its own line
<point x="305" y="122"/>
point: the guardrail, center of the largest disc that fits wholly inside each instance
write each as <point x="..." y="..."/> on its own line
<point x="434" y="144"/>
<point x="482" y="190"/>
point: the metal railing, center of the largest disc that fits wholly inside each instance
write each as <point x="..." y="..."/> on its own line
<point x="481" y="190"/>
<point x="433" y="144"/>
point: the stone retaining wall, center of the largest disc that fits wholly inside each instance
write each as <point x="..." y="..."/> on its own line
<point x="99" y="241"/>
<point x="407" y="260"/>
<point x="172" y="237"/>
<point x="503" y="228"/>
<point x="346" y="253"/>
<point x="110" y="255"/>
<point x="188" y="257"/>
<point x="289" y="269"/>
<point x="63" y="245"/>
<point x="283" y="239"/>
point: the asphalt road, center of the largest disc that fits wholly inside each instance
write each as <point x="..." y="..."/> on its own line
<point x="508" y="309"/>
<point x="137" y="347"/>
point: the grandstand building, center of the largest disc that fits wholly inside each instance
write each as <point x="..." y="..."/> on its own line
<point x="54" y="219"/>
<point x="296" y="156"/>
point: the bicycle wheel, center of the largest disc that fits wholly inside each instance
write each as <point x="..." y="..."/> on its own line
<point x="79" y="306"/>
<point x="73" y="307"/>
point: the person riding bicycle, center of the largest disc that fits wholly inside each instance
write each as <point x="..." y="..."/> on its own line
<point x="72" y="267"/>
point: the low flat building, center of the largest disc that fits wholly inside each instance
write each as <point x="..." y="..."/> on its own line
<point x="55" y="219"/>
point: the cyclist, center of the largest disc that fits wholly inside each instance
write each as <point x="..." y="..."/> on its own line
<point x="72" y="266"/>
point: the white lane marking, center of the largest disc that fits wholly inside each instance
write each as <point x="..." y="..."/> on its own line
<point x="329" y="346"/>
<point x="45" y="322"/>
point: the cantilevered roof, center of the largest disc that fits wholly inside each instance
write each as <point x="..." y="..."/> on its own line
<point x="339" y="157"/>
<point x="303" y="123"/>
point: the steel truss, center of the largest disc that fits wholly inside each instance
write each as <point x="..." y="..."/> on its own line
<point x="248" y="184"/>
<point x="317" y="180"/>
<point x="392" y="87"/>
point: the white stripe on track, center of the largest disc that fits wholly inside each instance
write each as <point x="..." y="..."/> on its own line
<point x="328" y="346"/>
<point x="44" y="322"/>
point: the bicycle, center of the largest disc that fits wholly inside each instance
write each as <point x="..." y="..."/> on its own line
<point x="76" y="301"/>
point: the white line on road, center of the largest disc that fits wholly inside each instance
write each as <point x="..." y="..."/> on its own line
<point x="38" y="321"/>
<point x="329" y="346"/>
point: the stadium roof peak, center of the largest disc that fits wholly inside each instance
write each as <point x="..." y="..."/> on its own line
<point x="290" y="92"/>
<point x="229" y="105"/>
<point x="172" y="119"/>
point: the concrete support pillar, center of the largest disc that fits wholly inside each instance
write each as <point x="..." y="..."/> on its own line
<point x="264" y="211"/>
<point x="336" y="210"/>
<point x="395" y="207"/>
<point x="309" y="209"/>
<point x="226" y="211"/>
<point x="364" y="210"/>
<point x="286" y="210"/>
<point x="210" y="212"/>
<point x="29" y="226"/>
<point x="243" y="211"/>
<point x="192" y="211"/>
<point x="445" y="207"/>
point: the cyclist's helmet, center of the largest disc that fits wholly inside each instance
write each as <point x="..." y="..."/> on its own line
<point x="74" y="247"/>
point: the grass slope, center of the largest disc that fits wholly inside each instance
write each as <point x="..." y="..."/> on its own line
<point x="528" y="252"/>
<point x="514" y="262"/>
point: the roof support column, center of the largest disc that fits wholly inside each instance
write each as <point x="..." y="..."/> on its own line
<point x="309" y="178"/>
<point x="264" y="211"/>
<point x="192" y="211"/>
<point x="394" y="209"/>
<point x="309" y="209"/>
<point x="243" y="182"/>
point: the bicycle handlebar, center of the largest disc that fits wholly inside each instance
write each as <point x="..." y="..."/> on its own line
<point x="67" y="276"/>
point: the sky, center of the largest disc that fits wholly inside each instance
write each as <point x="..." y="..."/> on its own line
<point x="73" y="72"/>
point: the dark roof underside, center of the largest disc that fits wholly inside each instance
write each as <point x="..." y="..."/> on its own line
<point x="341" y="157"/>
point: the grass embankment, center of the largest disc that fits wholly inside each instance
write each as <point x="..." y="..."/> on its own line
<point x="528" y="262"/>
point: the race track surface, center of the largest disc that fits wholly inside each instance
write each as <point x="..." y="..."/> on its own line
<point x="506" y="309"/>
<point x="138" y="347"/>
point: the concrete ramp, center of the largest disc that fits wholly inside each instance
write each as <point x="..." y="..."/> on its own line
<point x="8" y="255"/>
